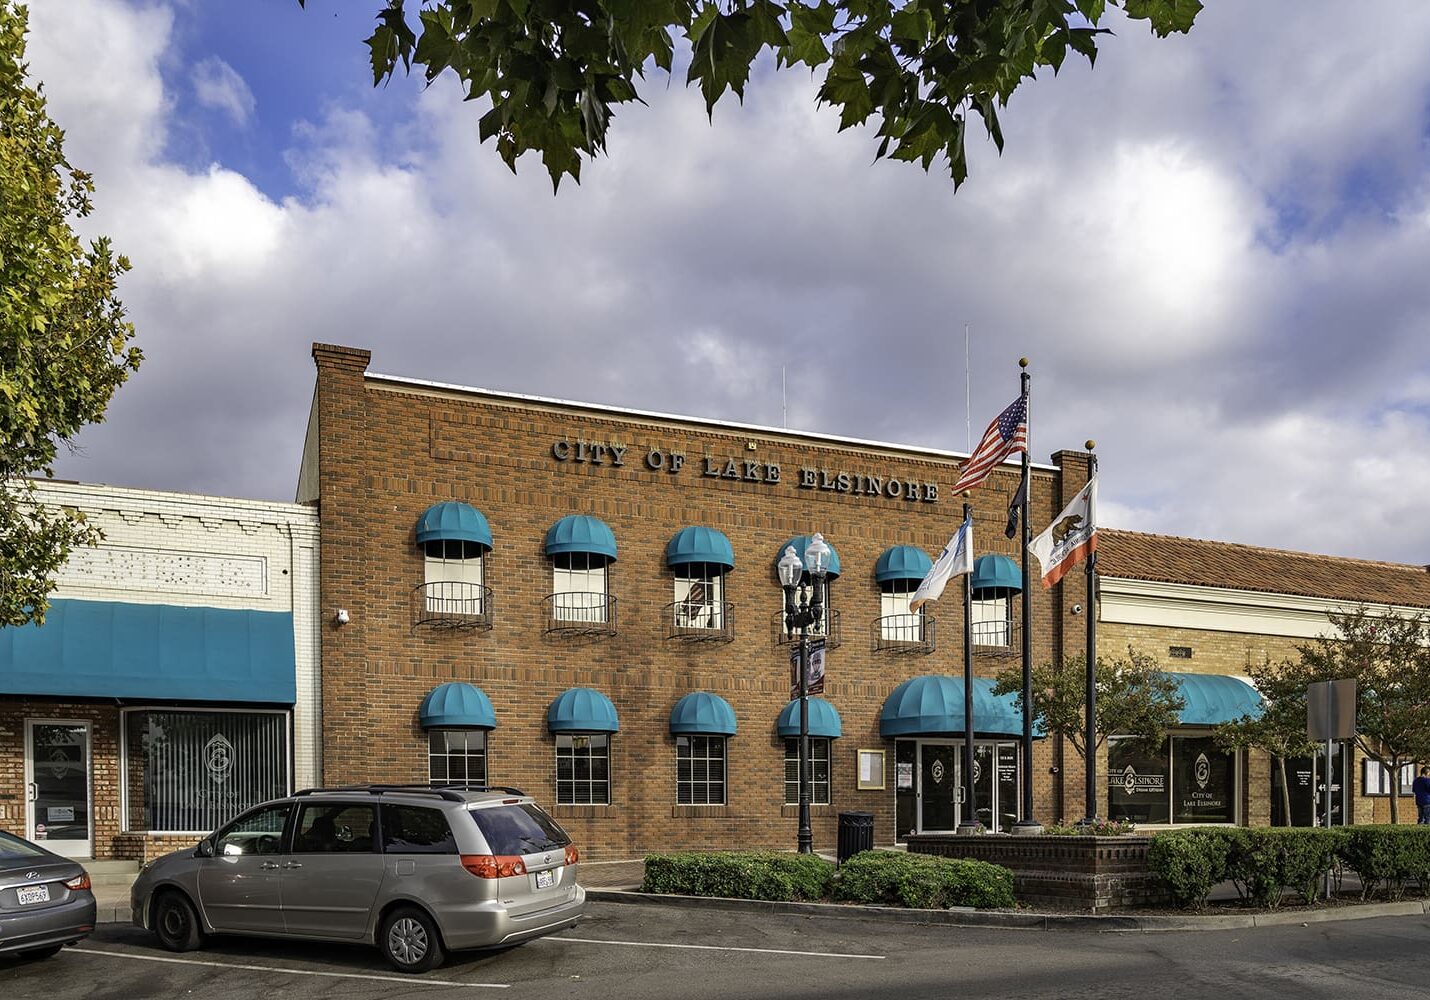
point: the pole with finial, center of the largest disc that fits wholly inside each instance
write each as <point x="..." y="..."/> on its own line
<point x="968" y="822"/>
<point x="1027" y="824"/>
<point x="1090" y="733"/>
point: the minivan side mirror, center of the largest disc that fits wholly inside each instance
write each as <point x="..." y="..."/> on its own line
<point x="205" y="849"/>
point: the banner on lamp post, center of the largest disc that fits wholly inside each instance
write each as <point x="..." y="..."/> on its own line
<point x="815" y="677"/>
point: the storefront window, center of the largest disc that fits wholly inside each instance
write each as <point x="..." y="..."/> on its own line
<point x="583" y="769"/>
<point x="818" y="769"/>
<point x="457" y="757"/>
<point x="188" y="772"/>
<point x="1188" y="780"/>
<point x="700" y="770"/>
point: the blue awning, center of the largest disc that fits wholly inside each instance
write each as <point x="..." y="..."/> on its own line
<point x="112" y="649"/>
<point x="799" y="546"/>
<point x="582" y="710"/>
<point x="453" y="521"/>
<point x="902" y="562"/>
<point x="457" y="705"/>
<point x="581" y="533"/>
<point x="823" y="719"/>
<point x="995" y="573"/>
<point x="933" y="705"/>
<point x="703" y="713"/>
<point x="699" y="545"/>
<point x="1212" y="699"/>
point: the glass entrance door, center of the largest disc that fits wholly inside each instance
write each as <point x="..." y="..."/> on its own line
<point x="938" y="784"/>
<point x="57" y="756"/>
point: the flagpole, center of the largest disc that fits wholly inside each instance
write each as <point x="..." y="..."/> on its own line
<point x="1026" y="823"/>
<point x="1090" y="736"/>
<point x="969" y="821"/>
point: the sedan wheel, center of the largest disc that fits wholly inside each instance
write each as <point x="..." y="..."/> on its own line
<point x="409" y="941"/>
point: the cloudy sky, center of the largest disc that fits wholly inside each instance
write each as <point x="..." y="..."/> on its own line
<point x="1215" y="249"/>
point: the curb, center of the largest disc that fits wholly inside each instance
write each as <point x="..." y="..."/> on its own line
<point x="1019" y="920"/>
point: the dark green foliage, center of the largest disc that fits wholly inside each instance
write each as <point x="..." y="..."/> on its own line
<point x="1190" y="862"/>
<point x="554" y="71"/>
<point x="894" y="878"/>
<point x="769" y="875"/>
<point x="1388" y="856"/>
<point x="1264" y="863"/>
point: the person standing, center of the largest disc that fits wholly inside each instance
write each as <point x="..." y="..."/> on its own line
<point x="1421" y="788"/>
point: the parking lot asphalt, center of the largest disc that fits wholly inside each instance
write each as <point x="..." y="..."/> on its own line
<point x="648" y="952"/>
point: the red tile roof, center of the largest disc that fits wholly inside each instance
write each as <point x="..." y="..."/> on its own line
<point x="1168" y="559"/>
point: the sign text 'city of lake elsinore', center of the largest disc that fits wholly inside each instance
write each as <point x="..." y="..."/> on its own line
<point x="673" y="462"/>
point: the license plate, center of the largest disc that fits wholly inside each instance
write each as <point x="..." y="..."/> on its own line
<point x="33" y="894"/>
<point x="544" y="880"/>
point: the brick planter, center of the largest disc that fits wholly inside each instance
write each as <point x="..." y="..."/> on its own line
<point x="1093" y="873"/>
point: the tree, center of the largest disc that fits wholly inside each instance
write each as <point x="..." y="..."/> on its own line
<point x="1280" y="728"/>
<point x="1388" y="656"/>
<point x="554" y="70"/>
<point x="64" y="342"/>
<point x="1135" y="698"/>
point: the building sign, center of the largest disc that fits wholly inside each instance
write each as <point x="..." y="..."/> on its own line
<point x="861" y="483"/>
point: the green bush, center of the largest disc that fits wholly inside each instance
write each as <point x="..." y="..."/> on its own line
<point x="1265" y="862"/>
<point x="1190" y="862"/>
<point x="1388" y="856"/>
<point x="1100" y="828"/>
<point x="922" y="881"/>
<point x="767" y="875"/>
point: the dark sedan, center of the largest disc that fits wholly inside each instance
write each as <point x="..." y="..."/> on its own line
<point x="45" y="900"/>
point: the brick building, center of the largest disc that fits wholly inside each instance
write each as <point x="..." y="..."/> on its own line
<point x="175" y="680"/>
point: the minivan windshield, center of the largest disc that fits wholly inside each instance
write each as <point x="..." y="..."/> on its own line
<point x="519" y="829"/>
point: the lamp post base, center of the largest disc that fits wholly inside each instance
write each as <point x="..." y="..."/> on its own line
<point x="1027" y="828"/>
<point x="969" y="829"/>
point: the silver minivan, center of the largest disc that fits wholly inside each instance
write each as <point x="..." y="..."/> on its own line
<point x="415" y="870"/>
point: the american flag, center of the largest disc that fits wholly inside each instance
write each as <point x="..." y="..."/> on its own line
<point x="1006" y="434"/>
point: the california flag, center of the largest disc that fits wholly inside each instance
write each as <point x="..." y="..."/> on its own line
<point x="955" y="560"/>
<point x="1071" y="536"/>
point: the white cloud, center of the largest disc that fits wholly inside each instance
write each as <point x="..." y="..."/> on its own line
<point x="218" y="85"/>
<point x="1264" y="391"/>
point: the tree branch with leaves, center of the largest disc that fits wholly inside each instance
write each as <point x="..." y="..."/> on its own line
<point x="64" y="341"/>
<point x="554" y="71"/>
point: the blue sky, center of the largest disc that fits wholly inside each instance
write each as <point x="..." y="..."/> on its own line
<point x="1213" y="248"/>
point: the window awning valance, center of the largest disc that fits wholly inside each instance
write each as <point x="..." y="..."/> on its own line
<point x="457" y="705"/>
<point x="823" y="719"/>
<point x="703" y="713"/>
<point x="453" y="521"/>
<point x="698" y="544"/>
<point x="582" y="710"/>
<point x="902" y="562"/>
<point x="933" y="705"/>
<point x="581" y="533"/>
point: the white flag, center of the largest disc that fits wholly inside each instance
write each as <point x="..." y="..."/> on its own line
<point x="1070" y="538"/>
<point x="955" y="560"/>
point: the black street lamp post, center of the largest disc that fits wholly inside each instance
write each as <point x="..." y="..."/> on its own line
<point x="805" y="616"/>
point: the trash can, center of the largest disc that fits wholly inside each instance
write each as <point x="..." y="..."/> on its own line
<point x="856" y="833"/>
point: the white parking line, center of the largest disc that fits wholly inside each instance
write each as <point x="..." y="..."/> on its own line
<point x="409" y="980"/>
<point x="717" y="947"/>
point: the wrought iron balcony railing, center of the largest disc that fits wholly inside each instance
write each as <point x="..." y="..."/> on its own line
<point x="700" y="621"/>
<point x="906" y="633"/>
<point x="451" y="605"/>
<point x="997" y="638"/>
<point x="829" y="630"/>
<point x="580" y="613"/>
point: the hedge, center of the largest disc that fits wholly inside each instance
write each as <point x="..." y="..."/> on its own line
<point x="894" y="878"/>
<point x="768" y="875"/>
<point x="1265" y="863"/>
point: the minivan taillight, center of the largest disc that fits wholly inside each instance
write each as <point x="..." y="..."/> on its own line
<point x="493" y="866"/>
<point x="572" y="855"/>
<point x="80" y="881"/>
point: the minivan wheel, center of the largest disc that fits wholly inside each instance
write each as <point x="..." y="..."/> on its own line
<point x="175" y="922"/>
<point x="408" y="940"/>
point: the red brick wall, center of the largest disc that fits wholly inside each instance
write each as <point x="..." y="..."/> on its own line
<point x="388" y="452"/>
